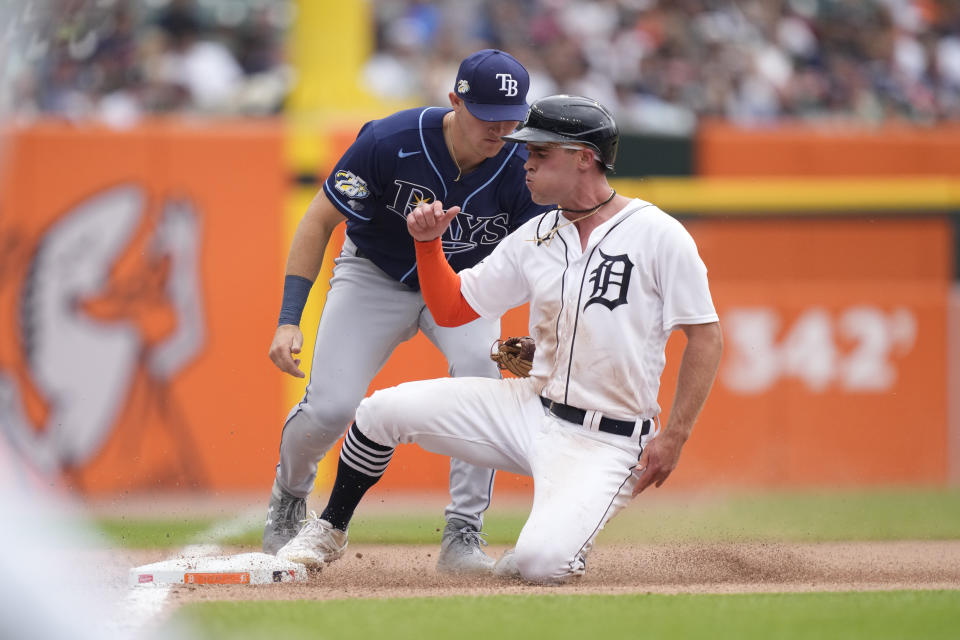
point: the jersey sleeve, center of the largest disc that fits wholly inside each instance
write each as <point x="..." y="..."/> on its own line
<point x="355" y="178"/>
<point x="496" y="284"/>
<point x="682" y="280"/>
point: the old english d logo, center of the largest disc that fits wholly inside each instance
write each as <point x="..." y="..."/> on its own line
<point x="610" y="279"/>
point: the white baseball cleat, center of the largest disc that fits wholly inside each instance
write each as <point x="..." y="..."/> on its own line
<point x="460" y="550"/>
<point x="506" y="566"/>
<point x="318" y="542"/>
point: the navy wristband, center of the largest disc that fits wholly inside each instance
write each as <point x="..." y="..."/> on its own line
<point x="296" y="289"/>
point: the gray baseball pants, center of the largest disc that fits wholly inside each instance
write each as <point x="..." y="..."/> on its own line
<point x="366" y="316"/>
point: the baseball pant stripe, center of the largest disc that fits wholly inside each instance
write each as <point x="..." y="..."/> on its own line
<point x="606" y="516"/>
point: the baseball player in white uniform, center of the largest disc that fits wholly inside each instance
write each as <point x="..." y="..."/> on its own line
<point x="608" y="278"/>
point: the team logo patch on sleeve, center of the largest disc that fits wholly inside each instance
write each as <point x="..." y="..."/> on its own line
<point x="350" y="184"/>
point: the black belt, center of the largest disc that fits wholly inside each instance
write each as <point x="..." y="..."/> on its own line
<point x="608" y="425"/>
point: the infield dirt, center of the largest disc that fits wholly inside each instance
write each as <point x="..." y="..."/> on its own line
<point x="374" y="571"/>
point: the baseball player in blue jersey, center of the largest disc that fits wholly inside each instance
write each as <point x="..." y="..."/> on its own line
<point x="454" y="155"/>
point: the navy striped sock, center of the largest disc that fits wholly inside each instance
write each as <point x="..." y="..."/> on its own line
<point x="362" y="462"/>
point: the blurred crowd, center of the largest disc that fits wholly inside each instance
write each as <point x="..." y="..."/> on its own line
<point x="661" y="65"/>
<point x="116" y="60"/>
<point x="664" y="64"/>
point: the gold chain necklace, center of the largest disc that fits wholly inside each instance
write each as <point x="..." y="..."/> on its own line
<point x="551" y="234"/>
<point x="453" y="150"/>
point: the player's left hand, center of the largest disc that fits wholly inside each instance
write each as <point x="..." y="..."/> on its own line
<point x="428" y="221"/>
<point x="658" y="460"/>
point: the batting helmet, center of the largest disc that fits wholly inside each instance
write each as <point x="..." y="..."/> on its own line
<point x="576" y="119"/>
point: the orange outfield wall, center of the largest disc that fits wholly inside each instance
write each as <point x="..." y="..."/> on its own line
<point x="141" y="277"/>
<point x="835" y="365"/>
<point x="723" y="150"/>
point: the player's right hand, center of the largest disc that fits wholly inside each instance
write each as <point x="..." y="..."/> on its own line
<point x="285" y="349"/>
<point x="658" y="459"/>
<point x="428" y="221"/>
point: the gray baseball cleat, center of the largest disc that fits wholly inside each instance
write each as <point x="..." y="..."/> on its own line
<point x="284" y="515"/>
<point x="460" y="550"/>
<point x="506" y="566"/>
<point x="317" y="542"/>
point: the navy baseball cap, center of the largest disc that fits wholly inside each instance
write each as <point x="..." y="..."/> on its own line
<point x="494" y="85"/>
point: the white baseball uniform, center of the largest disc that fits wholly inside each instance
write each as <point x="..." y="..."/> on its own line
<point x="601" y="318"/>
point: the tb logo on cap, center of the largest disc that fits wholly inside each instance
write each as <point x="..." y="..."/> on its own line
<point x="507" y="84"/>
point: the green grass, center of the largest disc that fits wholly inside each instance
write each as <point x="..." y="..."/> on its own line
<point x="152" y="533"/>
<point x="894" y="514"/>
<point x="871" y="615"/>
<point x="799" y="516"/>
